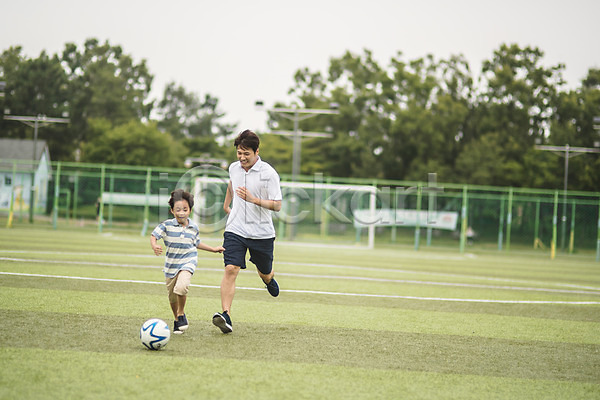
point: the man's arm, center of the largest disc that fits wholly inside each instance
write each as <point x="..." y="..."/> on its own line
<point x="273" y="205"/>
<point x="228" y="198"/>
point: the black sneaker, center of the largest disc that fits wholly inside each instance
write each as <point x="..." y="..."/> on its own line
<point x="223" y="322"/>
<point x="176" y="329"/>
<point x="273" y="287"/>
<point x="183" y="322"/>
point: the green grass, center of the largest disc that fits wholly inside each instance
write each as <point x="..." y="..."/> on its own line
<point x="350" y="323"/>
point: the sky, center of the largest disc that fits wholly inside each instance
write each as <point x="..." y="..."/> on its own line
<point x="243" y="51"/>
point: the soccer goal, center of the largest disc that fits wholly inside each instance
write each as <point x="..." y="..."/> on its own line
<point x="313" y="207"/>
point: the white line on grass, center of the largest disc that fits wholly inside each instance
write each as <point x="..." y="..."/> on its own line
<point x="103" y="264"/>
<point x="589" y="291"/>
<point x="77" y="253"/>
<point x="443" y="274"/>
<point x="416" y="282"/>
<point x="317" y="265"/>
<point x="384" y="296"/>
<point x="367" y="249"/>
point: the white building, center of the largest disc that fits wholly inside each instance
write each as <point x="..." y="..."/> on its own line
<point x="17" y="169"/>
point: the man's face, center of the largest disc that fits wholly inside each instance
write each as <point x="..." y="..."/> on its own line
<point x="247" y="157"/>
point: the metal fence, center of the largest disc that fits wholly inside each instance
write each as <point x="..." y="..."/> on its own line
<point x="321" y="209"/>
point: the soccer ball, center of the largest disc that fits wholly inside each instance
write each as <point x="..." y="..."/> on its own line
<point x="155" y="334"/>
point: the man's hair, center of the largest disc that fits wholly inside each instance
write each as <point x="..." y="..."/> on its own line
<point x="180" y="194"/>
<point x="247" y="140"/>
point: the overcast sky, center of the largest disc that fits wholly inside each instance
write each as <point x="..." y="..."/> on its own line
<point x="241" y="51"/>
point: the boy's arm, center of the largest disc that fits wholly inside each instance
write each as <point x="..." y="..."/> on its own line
<point x="155" y="246"/>
<point x="218" y="249"/>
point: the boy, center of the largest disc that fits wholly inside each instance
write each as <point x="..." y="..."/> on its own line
<point x="181" y="236"/>
<point x="255" y="191"/>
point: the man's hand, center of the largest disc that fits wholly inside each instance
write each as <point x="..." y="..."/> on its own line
<point x="274" y="205"/>
<point x="245" y="194"/>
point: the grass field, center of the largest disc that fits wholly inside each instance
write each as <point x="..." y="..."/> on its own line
<point x="350" y="323"/>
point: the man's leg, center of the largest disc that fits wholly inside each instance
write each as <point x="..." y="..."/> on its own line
<point x="228" y="287"/>
<point x="266" y="277"/>
<point x="223" y="320"/>
<point x="234" y="257"/>
<point x="269" y="280"/>
<point x="261" y="254"/>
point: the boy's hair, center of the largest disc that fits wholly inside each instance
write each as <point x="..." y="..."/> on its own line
<point x="247" y="140"/>
<point x="180" y="194"/>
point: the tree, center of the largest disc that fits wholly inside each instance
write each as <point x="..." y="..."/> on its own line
<point x="132" y="143"/>
<point x="36" y="87"/>
<point x="353" y="83"/>
<point x="399" y="122"/>
<point x="275" y="149"/>
<point x="573" y="124"/>
<point x="513" y="110"/>
<point x="520" y="92"/>
<point x="184" y="115"/>
<point x="105" y="83"/>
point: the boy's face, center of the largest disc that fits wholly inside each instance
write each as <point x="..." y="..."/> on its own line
<point x="181" y="210"/>
<point x="247" y="157"/>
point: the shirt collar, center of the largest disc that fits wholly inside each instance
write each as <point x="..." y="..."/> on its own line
<point x="190" y="222"/>
<point x="255" y="167"/>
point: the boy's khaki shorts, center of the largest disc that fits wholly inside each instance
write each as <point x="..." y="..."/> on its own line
<point x="178" y="285"/>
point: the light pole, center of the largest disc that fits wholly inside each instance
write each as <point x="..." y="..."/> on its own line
<point x="296" y="115"/>
<point x="35" y="122"/>
<point x="567" y="152"/>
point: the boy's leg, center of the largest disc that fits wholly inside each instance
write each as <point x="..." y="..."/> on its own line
<point x="174" y="307"/>
<point x="182" y="284"/>
<point x="181" y="305"/>
<point x="170" y="282"/>
<point x="181" y="288"/>
<point x="173" y="302"/>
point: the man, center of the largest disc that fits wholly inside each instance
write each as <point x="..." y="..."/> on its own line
<point x="255" y="191"/>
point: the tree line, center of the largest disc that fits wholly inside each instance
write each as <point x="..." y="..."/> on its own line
<point x="398" y="121"/>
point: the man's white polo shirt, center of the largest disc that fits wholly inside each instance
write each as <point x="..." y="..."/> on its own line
<point x="246" y="219"/>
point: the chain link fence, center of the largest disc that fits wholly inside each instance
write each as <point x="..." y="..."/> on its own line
<point x="315" y="209"/>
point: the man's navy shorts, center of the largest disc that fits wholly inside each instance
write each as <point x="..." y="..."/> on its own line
<point x="261" y="252"/>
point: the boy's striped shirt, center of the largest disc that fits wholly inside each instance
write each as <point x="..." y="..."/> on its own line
<point x="181" y="243"/>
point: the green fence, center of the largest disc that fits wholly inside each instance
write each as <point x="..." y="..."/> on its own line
<point x="325" y="209"/>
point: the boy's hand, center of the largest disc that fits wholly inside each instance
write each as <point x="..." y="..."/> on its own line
<point x="218" y="249"/>
<point x="205" y="247"/>
<point x="157" y="249"/>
